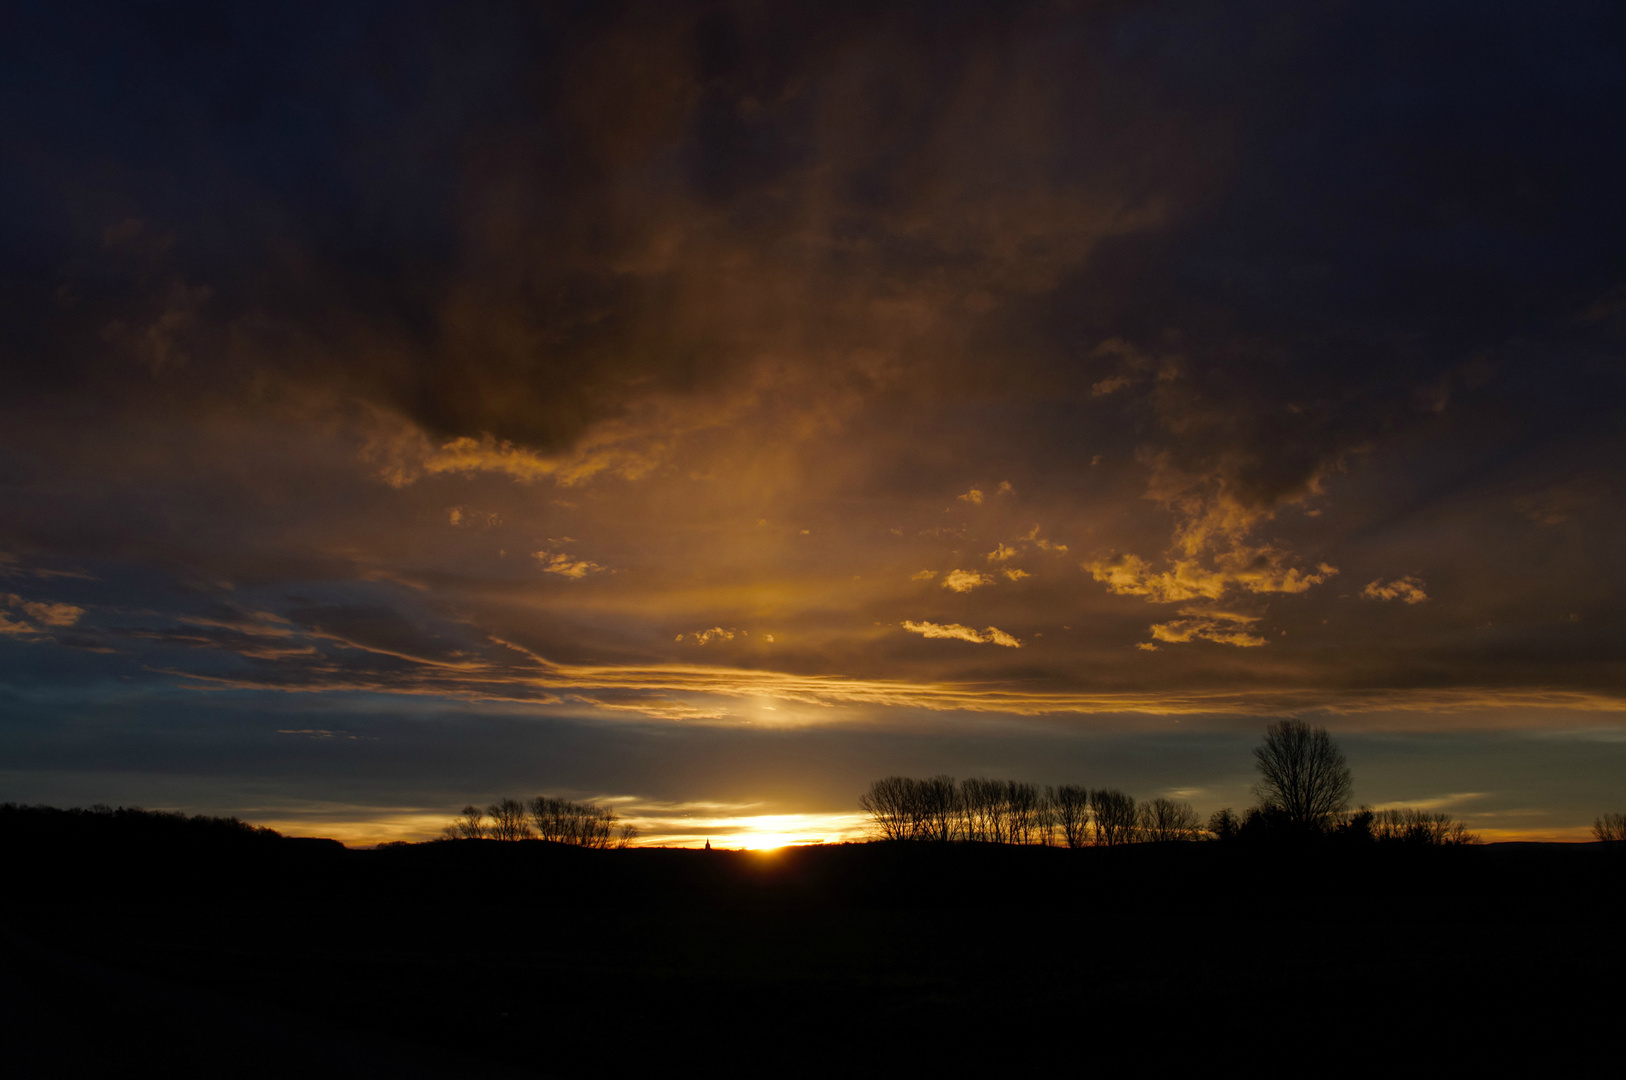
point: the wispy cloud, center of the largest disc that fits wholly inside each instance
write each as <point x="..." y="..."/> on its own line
<point x="1408" y="590"/>
<point x="1222" y="627"/>
<point x="991" y="636"/>
<point x="564" y="565"/>
<point x="37" y="614"/>
<point x="706" y="637"/>
<point x="1253" y="570"/>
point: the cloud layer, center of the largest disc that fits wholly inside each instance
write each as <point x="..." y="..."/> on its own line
<point x="714" y="364"/>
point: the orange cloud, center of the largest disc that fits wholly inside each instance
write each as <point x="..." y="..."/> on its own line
<point x="566" y="566"/>
<point x="1255" y="570"/>
<point x="962" y="581"/>
<point x="41" y="612"/>
<point x="991" y="636"/>
<point x="1408" y="590"/>
<point x="1223" y="627"/>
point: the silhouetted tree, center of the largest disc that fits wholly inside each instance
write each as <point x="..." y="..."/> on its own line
<point x="1024" y="808"/>
<point x="887" y="802"/>
<point x="469" y="825"/>
<point x="1070" y="805"/>
<point x="1406" y="825"/>
<point x="983" y="810"/>
<point x="1610" y="829"/>
<point x="1115" y="816"/>
<point x="1357" y="827"/>
<point x="1044" y="820"/>
<point x="508" y="820"/>
<point x="1304" y="780"/>
<point x="1165" y="819"/>
<point x="937" y="814"/>
<point x="580" y="824"/>
<point x="1224" y="824"/>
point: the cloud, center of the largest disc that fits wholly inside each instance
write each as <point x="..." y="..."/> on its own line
<point x="923" y="575"/>
<point x="7" y="626"/>
<point x="1032" y="541"/>
<point x="1564" y="501"/>
<point x="1225" y="628"/>
<point x="1015" y="574"/>
<point x="1248" y="569"/>
<point x="961" y="581"/>
<point x="991" y="636"/>
<point x="819" y="277"/>
<point x="463" y="517"/>
<point x="41" y="612"/>
<point x="1001" y="553"/>
<point x="52" y="614"/>
<point x="1041" y="543"/>
<point x="566" y="565"/>
<point x="974" y="497"/>
<point x="1408" y="589"/>
<point x="716" y="633"/>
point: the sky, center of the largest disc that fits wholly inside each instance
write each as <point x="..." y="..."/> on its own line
<point x="708" y="408"/>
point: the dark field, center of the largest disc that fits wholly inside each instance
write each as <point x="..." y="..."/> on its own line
<point x="255" y="956"/>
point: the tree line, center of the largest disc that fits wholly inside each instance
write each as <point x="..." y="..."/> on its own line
<point x="981" y="810"/>
<point x="128" y="823"/>
<point x="580" y="824"/>
<point x="1304" y="790"/>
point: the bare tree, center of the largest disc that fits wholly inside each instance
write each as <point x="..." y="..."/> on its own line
<point x="1610" y="829"/>
<point x="1071" y="807"/>
<point x="1165" y="819"/>
<point x="580" y="824"/>
<point x="887" y="802"/>
<point x="1024" y="805"/>
<point x="938" y="815"/>
<point x="508" y="820"/>
<point x="469" y="825"/>
<point x="982" y="809"/>
<point x="1303" y="777"/>
<point x="1408" y="825"/>
<point x="1044" y="820"/>
<point x="597" y="826"/>
<point x="1115" y="816"/>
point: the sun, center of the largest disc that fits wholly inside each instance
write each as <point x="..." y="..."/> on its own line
<point x="765" y="841"/>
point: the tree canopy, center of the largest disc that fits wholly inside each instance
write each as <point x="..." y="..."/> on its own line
<point x="1303" y="777"/>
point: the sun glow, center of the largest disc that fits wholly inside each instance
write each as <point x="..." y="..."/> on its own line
<point x="750" y="832"/>
<point x="765" y="831"/>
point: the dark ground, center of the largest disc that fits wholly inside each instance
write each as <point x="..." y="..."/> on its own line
<point x="255" y="956"/>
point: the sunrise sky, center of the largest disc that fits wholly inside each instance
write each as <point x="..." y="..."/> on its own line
<point x="708" y="408"/>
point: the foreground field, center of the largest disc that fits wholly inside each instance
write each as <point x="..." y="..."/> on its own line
<point x="531" y="959"/>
